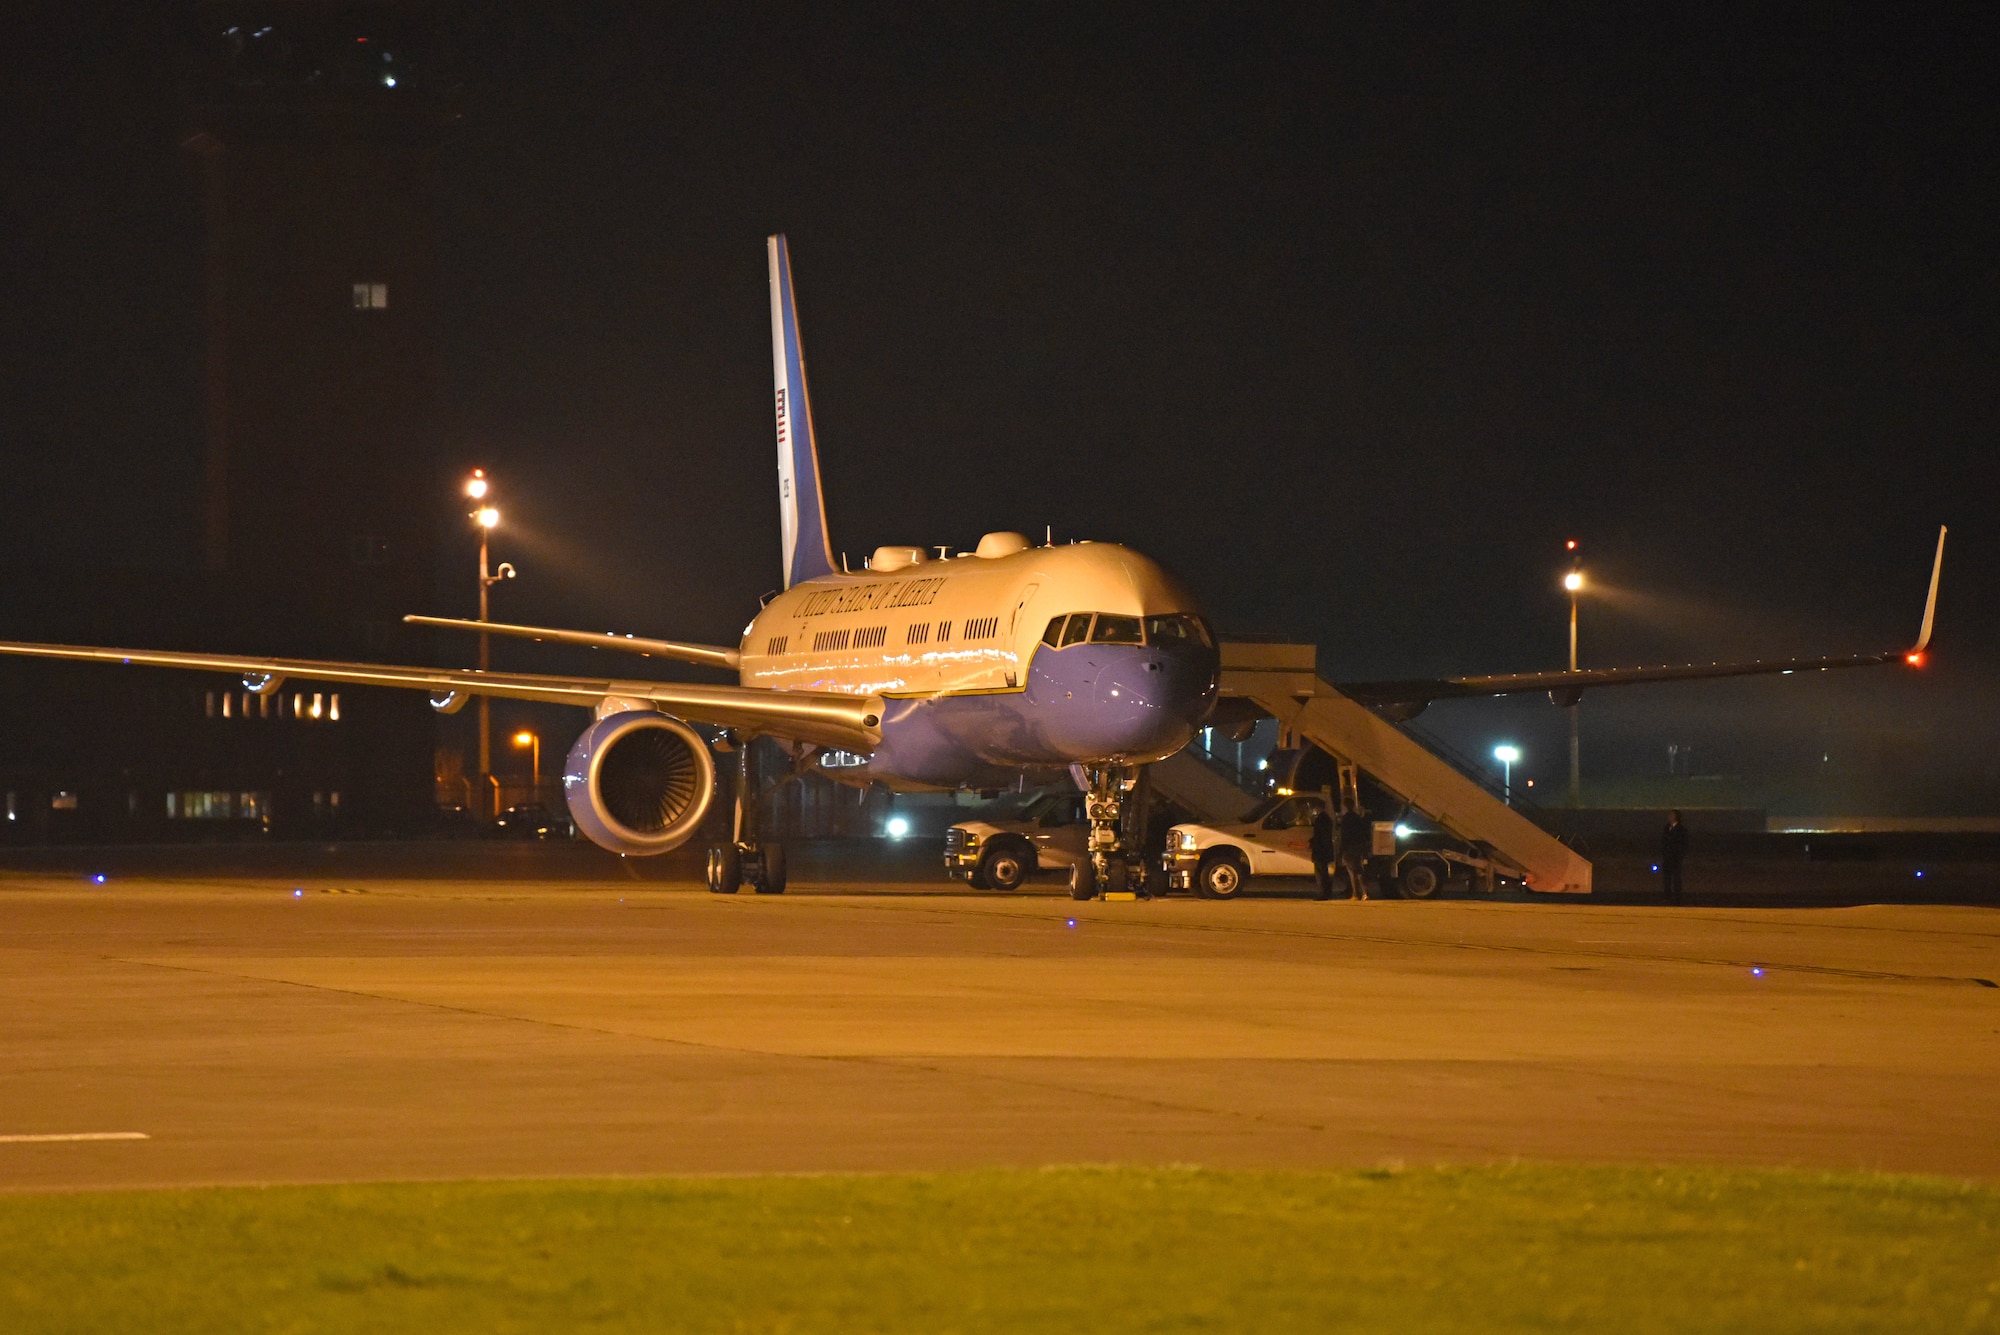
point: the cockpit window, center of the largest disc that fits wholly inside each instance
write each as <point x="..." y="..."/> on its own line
<point x="1053" y="635"/>
<point x="1076" y="631"/>
<point x="1116" y="630"/>
<point x="1178" y="629"/>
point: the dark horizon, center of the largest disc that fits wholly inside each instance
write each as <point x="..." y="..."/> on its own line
<point x="1350" y="322"/>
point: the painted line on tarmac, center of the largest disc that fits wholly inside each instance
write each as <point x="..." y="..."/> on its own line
<point x="74" y="1136"/>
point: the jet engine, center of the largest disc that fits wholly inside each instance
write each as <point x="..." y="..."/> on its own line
<point x="639" y="782"/>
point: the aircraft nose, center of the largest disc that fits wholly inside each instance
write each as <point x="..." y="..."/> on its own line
<point x="1159" y="697"/>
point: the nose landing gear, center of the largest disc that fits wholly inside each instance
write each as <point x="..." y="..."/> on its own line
<point x="1114" y="864"/>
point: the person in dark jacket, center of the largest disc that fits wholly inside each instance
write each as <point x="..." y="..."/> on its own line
<point x="1325" y="851"/>
<point x="1673" y="851"/>
<point x="1356" y="834"/>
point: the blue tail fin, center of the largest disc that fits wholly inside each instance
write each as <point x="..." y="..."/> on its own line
<point x="801" y="508"/>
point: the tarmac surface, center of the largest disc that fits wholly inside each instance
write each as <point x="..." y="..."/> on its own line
<point x="263" y="1030"/>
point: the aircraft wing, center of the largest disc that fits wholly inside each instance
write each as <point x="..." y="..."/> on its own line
<point x="708" y="655"/>
<point x="843" y="721"/>
<point x="1407" y="699"/>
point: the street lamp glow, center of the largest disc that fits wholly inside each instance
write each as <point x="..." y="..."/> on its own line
<point x="486" y="516"/>
<point x="1573" y="580"/>
<point x="475" y="486"/>
<point x="524" y="739"/>
<point x="1507" y="753"/>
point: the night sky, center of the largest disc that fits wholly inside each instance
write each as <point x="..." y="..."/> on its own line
<point x="1349" y="320"/>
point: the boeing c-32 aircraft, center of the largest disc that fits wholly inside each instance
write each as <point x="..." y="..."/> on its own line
<point x="919" y="673"/>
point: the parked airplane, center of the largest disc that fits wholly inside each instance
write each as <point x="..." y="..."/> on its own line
<point x="973" y="670"/>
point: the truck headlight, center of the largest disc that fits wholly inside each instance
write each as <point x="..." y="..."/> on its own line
<point x="1187" y="841"/>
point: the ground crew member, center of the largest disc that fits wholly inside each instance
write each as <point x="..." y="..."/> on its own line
<point x="1324" y="850"/>
<point x="1357" y="833"/>
<point x="1673" y="850"/>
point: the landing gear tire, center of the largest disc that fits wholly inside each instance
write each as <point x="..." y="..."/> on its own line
<point x="1002" y="868"/>
<point x="772" y="881"/>
<point x="1082" y="881"/>
<point x="1419" y="881"/>
<point x="725" y="870"/>
<point x="1220" y="877"/>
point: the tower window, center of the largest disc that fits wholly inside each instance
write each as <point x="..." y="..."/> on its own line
<point x="371" y="296"/>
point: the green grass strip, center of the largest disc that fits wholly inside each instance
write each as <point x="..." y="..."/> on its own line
<point x="1524" y="1248"/>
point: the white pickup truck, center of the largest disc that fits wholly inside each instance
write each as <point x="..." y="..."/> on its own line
<point x="1216" y="861"/>
<point x="1275" y="839"/>
<point x="1051" y="834"/>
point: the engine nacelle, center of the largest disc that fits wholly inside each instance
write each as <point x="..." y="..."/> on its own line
<point x="639" y="782"/>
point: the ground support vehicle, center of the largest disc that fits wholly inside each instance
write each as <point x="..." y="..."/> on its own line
<point x="1052" y="834"/>
<point x="1275" y="839"/>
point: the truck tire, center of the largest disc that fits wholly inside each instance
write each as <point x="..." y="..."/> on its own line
<point x="1005" y="866"/>
<point x="1419" y="879"/>
<point x="1222" y="876"/>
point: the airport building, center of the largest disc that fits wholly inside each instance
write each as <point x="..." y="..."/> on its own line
<point x="310" y="134"/>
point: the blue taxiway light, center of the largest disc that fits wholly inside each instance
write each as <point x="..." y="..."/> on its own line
<point x="99" y="878"/>
<point x="1070" y="923"/>
<point x="1756" y="973"/>
<point x="297" y="894"/>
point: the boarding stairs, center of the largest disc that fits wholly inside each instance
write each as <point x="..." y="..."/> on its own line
<point x="1283" y="681"/>
<point x="1199" y="786"/>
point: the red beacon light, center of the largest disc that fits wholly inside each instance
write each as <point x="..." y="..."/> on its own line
<point x="1916" y="658"/>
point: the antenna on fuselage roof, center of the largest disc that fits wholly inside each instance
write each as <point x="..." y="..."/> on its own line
<point x="1049" y="536"/>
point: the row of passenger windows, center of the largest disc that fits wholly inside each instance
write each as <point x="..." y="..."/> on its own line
<point x="871" y="637"/>
<point x="248" y="704"/>
<point x="1110" y="628"/>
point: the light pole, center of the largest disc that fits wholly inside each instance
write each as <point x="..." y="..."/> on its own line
<point x="486" y="517"/>
<point x="1573" y="581"/>
<point x="533" y="741"/>
<point x="1507" y="755"/>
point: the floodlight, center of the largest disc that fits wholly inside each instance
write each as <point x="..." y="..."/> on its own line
<point x="487" y="516"/>
<point x="1506" y="755"/>
<point x="1573" y="580"/>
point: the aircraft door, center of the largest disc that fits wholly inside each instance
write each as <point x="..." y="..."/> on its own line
<point x="1021" y="656"/>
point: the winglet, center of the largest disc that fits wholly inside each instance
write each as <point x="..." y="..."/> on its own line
<point x="1930" y="603"/>
<point x="801" y="507"/>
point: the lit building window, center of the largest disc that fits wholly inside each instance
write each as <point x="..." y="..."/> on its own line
<point x="371" y="296"/>
<point x="211" y="704"/>
<point x="13" y="813"/>
<point x="317" y="705"/>
<point x="333" y="707"/>
<point x="263" y="706"/>
<point x="227" y="699"/>
<point x="64" y="801"/>
<point x="298" y="705"/>
<point x="172" y="806"/>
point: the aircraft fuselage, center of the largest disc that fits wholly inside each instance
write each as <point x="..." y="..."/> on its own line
<point x="977" y="676"/>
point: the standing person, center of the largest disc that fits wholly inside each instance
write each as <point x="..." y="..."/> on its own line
<point x="1325" y="851"/>
<point x="1673" y="850"/>
<point x="1356" y="834"/>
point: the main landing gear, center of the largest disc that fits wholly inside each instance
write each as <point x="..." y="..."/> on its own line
<point x="746" y="860"/>
<point x="1113" y="866"/>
